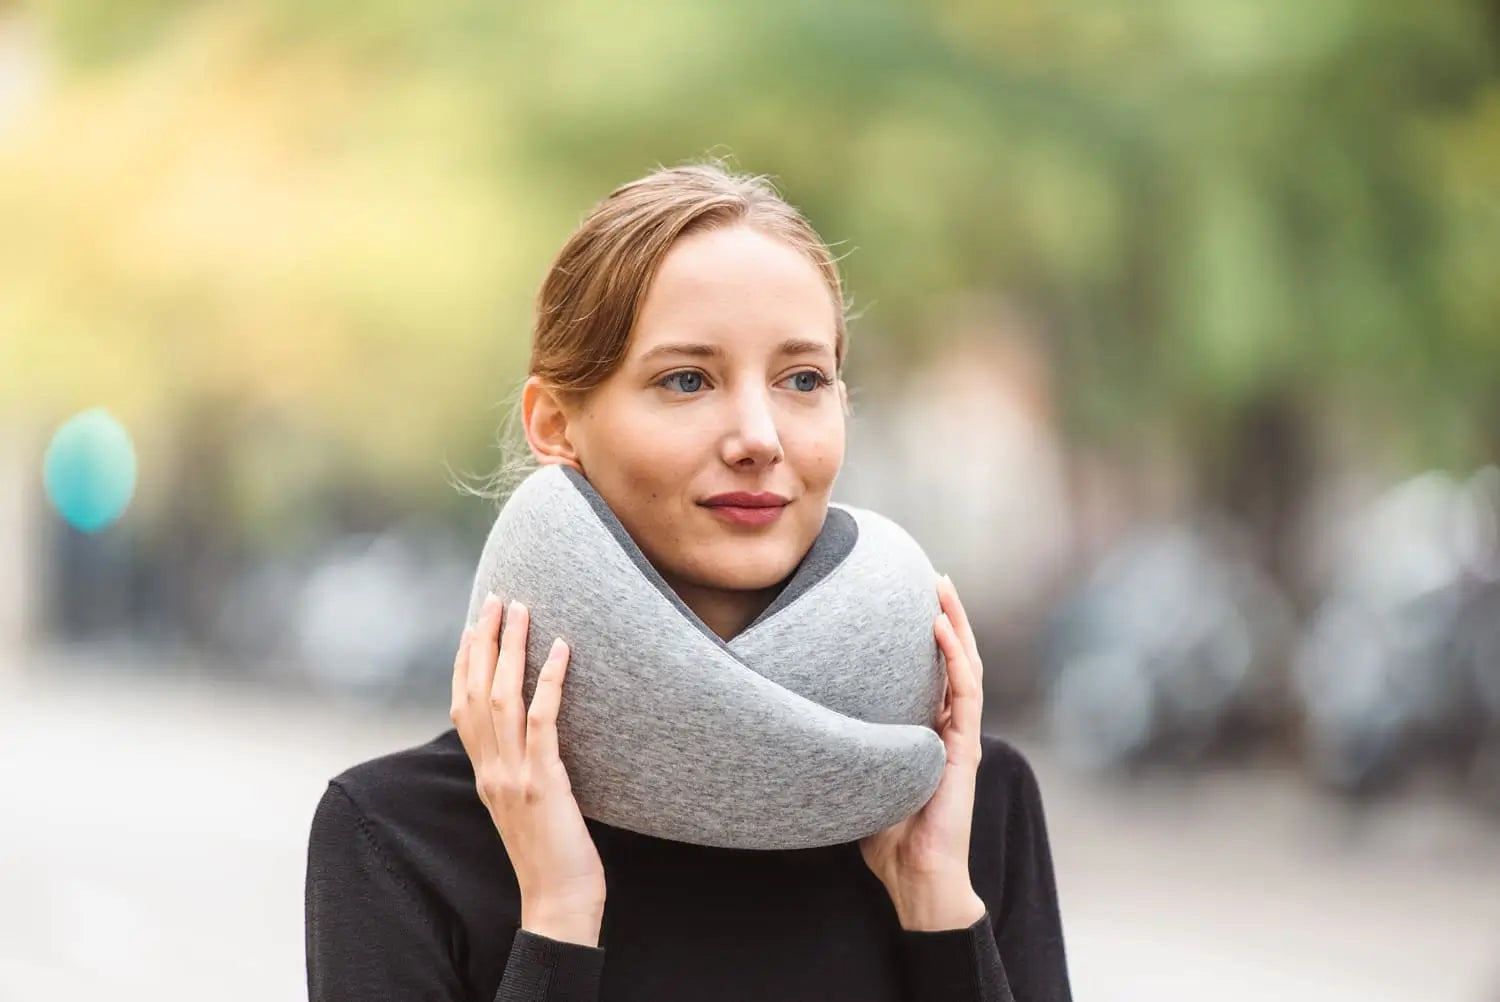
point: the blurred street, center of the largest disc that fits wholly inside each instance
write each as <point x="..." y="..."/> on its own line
<point x="152" y="840"/>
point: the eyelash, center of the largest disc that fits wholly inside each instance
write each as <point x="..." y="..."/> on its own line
<point x="823" y="379"/>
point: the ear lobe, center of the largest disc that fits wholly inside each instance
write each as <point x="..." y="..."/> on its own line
<point x="545" y="421"/>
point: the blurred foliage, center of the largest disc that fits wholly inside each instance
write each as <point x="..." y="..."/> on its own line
<point x="336" y="213"/>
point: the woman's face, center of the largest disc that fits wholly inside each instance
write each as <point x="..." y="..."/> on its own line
<point x="729" y="386"/>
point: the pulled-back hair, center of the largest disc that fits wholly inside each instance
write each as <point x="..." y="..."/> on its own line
<point x="592" y="295"/>
<point x="588" y="303"/>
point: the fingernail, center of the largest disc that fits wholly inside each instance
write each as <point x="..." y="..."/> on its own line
<point x="490" y="601"/>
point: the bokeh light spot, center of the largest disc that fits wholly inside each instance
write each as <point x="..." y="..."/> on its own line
<point x="89" y="470"/>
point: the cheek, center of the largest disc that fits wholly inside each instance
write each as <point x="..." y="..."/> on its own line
<point x="822" y="457"/>
<point x="630" y="449"/>
<point x="652" y="479"/>
<point x="833" y="458"/>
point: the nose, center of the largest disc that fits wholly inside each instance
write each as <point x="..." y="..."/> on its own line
<point x="753" y="440"/>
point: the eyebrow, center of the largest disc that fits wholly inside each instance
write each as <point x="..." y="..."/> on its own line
<point x="791" y="346"/>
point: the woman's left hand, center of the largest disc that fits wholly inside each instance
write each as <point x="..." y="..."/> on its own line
<point x="923" y="860"/>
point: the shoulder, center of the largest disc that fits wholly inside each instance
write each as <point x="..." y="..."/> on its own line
<point x="1007" y="797"/>
<point x="406" y="801"/>
<point x="1008" y="848"/>
<point x="388" y="781"/>
<point x="1003" y="767"/>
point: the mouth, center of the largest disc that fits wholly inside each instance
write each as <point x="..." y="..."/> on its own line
<point x="744" y="509"/>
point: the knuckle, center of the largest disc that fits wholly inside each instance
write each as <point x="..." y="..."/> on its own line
<point x="499" y="785"/>
<point x="533" y="789"/>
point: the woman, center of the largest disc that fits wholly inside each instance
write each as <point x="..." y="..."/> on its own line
<point x="687" y="356"/>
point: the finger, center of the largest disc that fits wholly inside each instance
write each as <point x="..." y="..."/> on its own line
<point x="954" y="607"/>
<point x="965" y="704"/>
<point x="507" y="711"/>
<point x="948" y="597"/>
<point x="460" y="679"/>
<point x="945" y="710"/>
<point x="541" y="719"/>
<point x="483" y="649"/>
<point x="943" y="719"/>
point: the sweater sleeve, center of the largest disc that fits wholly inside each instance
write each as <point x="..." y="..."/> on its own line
<point x="542" y="968"/>
<point x="1022" y="923"/>
<point x="374" y="934"/>
<point x="954" y="965"/>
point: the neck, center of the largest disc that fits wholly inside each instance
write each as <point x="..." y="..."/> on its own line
<point x="725" y="611"/>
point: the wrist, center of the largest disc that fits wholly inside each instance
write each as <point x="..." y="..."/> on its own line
<point x="564" y="922"/>
<point x="936" y="909"/>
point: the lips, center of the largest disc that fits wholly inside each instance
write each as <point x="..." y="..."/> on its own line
<point x="745" y="499"/>
<point x="746" y="509"/>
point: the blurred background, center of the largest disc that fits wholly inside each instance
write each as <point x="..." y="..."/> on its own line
<point x="1187" y="311"/>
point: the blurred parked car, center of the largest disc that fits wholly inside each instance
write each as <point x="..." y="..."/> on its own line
<point x="1400" y="664"/>
<point x="1169" y="649"/>
<point x="373" y="616"/>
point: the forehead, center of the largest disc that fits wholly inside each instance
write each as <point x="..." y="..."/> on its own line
<point x="736" y="282"/>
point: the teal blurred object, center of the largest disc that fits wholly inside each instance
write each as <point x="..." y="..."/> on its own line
<point x="89" y="470"/>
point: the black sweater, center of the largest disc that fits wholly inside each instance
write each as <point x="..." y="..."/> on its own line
<point x="410" y="896"/>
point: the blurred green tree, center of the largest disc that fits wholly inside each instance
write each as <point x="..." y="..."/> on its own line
<point x="1237" y="220"/>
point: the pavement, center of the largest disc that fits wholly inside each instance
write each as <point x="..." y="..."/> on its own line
<point x="153" y="833"/>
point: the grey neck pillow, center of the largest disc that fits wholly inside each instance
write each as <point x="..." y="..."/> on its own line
<point x="811" y="727"/>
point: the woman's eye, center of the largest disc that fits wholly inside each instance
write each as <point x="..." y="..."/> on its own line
<point x="686" y="381"/>
<point x="808" y="380"/>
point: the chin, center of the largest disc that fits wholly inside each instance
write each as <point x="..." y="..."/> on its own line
<point x="746" y="566"/>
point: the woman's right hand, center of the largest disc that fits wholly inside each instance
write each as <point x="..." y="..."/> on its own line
<point x="521" y="778"/>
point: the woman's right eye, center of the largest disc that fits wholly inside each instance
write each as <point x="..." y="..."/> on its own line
<point x="686" y="381"/>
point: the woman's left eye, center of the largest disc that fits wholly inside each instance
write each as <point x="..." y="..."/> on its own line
<point x="808" y="380"/>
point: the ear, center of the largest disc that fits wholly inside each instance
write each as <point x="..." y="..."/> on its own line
<point x="844" y="397"/>
<point x="545" y="420"/>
